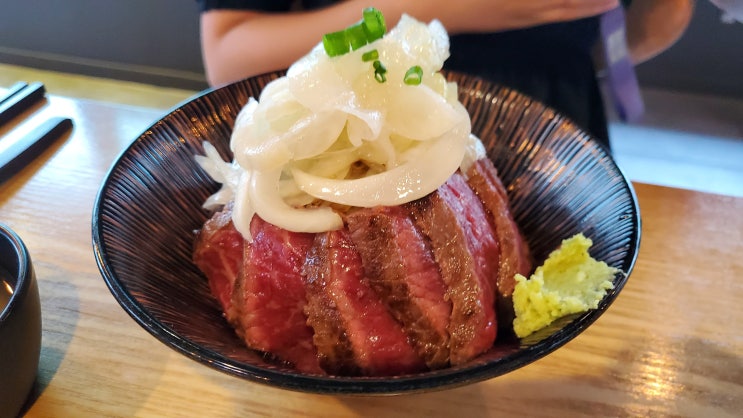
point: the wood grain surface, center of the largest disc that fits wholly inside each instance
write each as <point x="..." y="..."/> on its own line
<point x="670" y="345"/>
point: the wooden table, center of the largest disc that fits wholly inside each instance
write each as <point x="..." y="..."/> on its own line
<point x="671" y="344"/>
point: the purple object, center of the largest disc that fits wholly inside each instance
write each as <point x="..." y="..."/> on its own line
<point x="621" y="77"/>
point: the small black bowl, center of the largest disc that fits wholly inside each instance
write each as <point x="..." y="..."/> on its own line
<point x="20" y="323"/>
<point x="560" y="182"/>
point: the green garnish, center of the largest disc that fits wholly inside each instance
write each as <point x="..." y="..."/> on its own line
<point x="369" y="29"/>
<point x="413" y="76"/>
<point x="380" y="72"/>
<point x="373" y="24"/>
<point x="370" y="56"/>
<point x="335" y="43"/>
<point x="356" y="36"/>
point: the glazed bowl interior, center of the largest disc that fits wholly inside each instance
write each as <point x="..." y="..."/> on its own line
<point x="12" y="265"/>
<point x="560" y="182"/>
<point x="20" y="323"/>
<point x="9" y="262"/>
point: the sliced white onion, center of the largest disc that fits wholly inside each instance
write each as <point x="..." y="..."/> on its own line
<point x="310" y="128"/>
<point x="402" y="184"/>
<point x="427" y="45"/>
<point x="266" y="199"/>
<point x="420" y="113"/>
<point x="220" y="171"/>
<point x="243" y="211"/>
<point x="474" y="151"/>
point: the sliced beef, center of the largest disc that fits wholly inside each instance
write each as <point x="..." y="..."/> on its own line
<point x="218" y="253"/>
<point x="400" y="290"/>
<point x="399" y="265"/>
<point x="515" y="257"/>
<point x="269" y="296"/>
<point x="467" y="253"/>
<point x="353" y="331"/>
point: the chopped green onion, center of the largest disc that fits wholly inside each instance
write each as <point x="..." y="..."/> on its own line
<point x="370" y="56"/>
<point x="355" y="36"/>
<point x="413" y="76"/>
<point x="380" y="72"/>
<point x="373" y="24"/>
<point x="335" y="43"/>
<point x="369" y="29"/>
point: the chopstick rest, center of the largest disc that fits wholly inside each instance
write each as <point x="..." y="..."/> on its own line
<point x="21" y="150"/>
<point x="17" y="102"/>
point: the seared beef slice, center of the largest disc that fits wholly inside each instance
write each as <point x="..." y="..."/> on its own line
<point x="467" y="253"/>
<point x="270" y="296"/>
<point x="218" y="253"/>
<point x="353" y="331"/>
<point x="399" y="265"/>
<point x="515" y="258"/>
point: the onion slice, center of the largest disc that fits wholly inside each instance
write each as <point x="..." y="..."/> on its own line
<point x="263" y="192"/>
<point x="404" y="183"/>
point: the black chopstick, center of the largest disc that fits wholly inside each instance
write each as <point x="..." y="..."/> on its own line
<point x="12" y="90"/>
<point x="24" y="148"/>
<point x="20" y="101"/>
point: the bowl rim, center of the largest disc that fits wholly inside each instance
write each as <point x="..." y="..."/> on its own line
<point x="282" y="378"/>
<point x="22" y="277"/>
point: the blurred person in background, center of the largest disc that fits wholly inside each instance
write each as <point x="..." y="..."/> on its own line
<point x="543" y="48"/>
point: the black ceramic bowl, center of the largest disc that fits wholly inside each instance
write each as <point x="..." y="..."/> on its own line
<point x="560" y="182"/>
<point x="20" y="323"/>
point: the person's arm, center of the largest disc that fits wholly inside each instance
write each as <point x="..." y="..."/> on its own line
<point x="238" y="44"/>
<point x="654" y="25"/>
